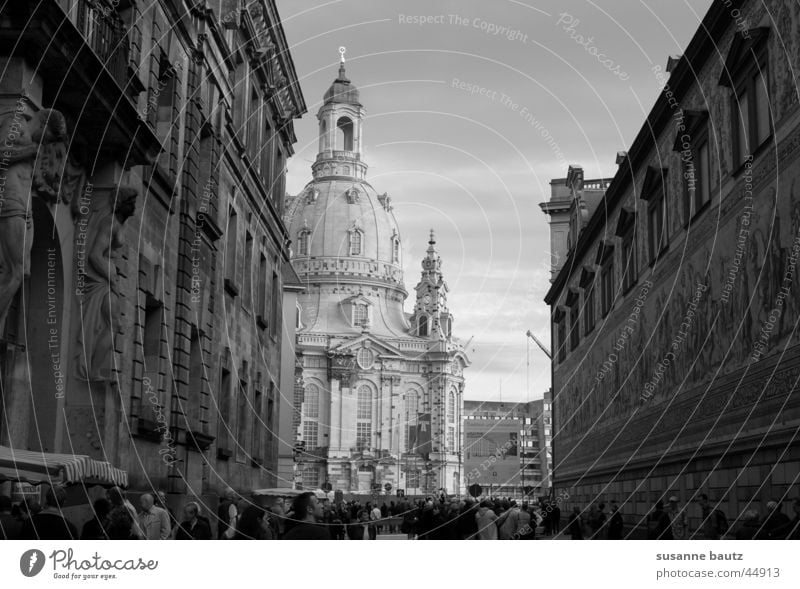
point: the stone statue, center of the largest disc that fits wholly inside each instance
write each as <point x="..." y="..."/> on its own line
<point x="26" y="139"/>
<point x="99" y="297"/>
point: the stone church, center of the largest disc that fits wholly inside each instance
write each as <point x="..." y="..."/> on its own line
<point x="380" y="391"/>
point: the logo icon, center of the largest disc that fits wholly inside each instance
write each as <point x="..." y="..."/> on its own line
<point x="31" y="562"/>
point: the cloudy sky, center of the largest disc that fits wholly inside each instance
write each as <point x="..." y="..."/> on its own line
<point x="472" y="108"/>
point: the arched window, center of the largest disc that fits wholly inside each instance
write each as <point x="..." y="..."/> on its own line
<point x="323" y="132"/>
<point x="360" y="315"/>
<point x="395" y="250"/>
<point x="302" y="243"/>
<point x="363" y="418"/>
<point x="422" y="326"/>
<point x="451" y="407"/>
<point x="355" y="242"/>
<point x="312" y="401"/>
<point x="344" y="134"/>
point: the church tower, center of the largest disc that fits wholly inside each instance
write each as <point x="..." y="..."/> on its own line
<point x="379" y="390"/>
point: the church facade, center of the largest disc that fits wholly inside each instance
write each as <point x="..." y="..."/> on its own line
<point x="380" y="391"/>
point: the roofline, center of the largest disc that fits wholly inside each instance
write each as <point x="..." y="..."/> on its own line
<point x="714" y="24"/>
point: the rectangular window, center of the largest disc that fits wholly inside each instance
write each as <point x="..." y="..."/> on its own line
<point x="243" y="408"/>
<point x="561" y="329"/>
<point x="257" y="425"/>
<point x="629" y="261"/>
<point x="253" y="125"/>
<point x="742" y="106"/>
<point x="261" y="305"/>
<point x="751" y="107"/>
<point x="225" y="398"/>
<point x="656" y="226"/>
<point x="588" y="308"/>
<point x="451" y="439"/>
<point x="247" y="271"/>
<point x="412" y="479"/>
<point x="607" y="285"/>
<point x="762" y="117"/>
<point x="574" y="324"/>
<point x="310" y="478"/>
<point x="359" y="315"/>
<point x="274" y="303"/>
<point x="363" y="435"/>
<point x="311" y="434"/>
<point x="231" y="253"/>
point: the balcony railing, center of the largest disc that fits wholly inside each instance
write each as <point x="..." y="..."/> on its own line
<point x="105" y="33"/>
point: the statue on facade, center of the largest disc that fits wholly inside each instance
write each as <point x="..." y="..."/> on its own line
<point x="26" y="138"/>
<point x="99" y="295"/>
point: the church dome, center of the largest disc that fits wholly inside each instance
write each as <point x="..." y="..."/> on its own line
<point x="342" y="90"/>
<point x="348" y="228"/>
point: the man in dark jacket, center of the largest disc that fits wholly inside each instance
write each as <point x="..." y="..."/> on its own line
<point x="777" y="525"/>
<point x="193" y="527"/>
<point x="50" y="523"/>
<point x="616" y="524"/>
<point x="307" y="510"/>
<point x="659" y="524"/>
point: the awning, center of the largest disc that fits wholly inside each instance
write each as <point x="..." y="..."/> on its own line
<point x="286" y="493"/>
<point x="38" y="468"/>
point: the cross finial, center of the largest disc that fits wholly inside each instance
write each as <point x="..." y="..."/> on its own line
<point x="342" y="51"/>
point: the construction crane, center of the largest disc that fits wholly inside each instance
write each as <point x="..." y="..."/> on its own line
<point x="540" y="344"/>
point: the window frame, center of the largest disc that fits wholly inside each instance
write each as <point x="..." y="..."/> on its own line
<point x="747" y="77"/>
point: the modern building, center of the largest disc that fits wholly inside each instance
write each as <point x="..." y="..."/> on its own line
<point x="675" y="365"/>
<point x="142" y="316"/>
<point x="506" y="447"/>
<point x="380" y="390"/>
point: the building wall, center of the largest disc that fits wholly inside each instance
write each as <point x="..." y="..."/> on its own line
<point x="685" y="385"/>
<point x="186" y="400"/>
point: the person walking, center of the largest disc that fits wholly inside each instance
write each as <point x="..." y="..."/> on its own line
<point x="526" y="525"/>
<point x="122" y="522"/>
<point x="794" y="525"/>
<point x="193" y="527"/>
<point x="508" y="524"/>
<point x="50" y="523"/>
<point x="486" y="519"/>
<point x="750" y="528"/>
<point x="616" y="525"/>
<point x="677" y="517"/>
<point x="375" y="516"/>
<point x="575" y="524"/>
<point x="227" y="515"/>
<point x="306" y="511"/>
<point x="153" y="520"/>
<point x="555" y="519"/>
<point x="777" y="524"/>
<point x="714" y="524"/>
<point x="252" y="525"/>
<point x="659" y="525"/>
<point x="410" y="520"/>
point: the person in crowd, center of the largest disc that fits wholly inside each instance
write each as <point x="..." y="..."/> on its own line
<point x="714" y="524"/>
<point x="10" y="526"/>
<point x="547" y="518"/>
<point x="410" y="520"/>
<point x="50" y="523"/>
<point x="794" y="525"/>
<point x="122" y="522"/>
<point x="375" y="516"/>
<point x="616" y="524"/>
<point x="94" y="528"/>
<point x="750" y="528"/>
<point x="659" y="524"/>
<point x="192" y="527"/>
<point x="357" y="528"/>
<point x="252" y="524"/>
<point x="777" y="524"/>
<point x="526" y="527"/>
<point x="161" y="501"/>
<point x="596" y="521"/>
<point x="306" y="510"/>
<point x="467" y="526"/>
<point x="575" y="524"/>
<point x="153" y="520"/>
<point x="677" y="516"/>
<point x="508" y="523"/>
<point x="555" y="519"/>
<point x="485" y="519"/>
<point x="227" y="515"/>
<point x="336" y="523"/>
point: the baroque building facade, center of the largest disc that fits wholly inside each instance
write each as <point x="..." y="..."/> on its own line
<point x="142" y="316"/>
<point x="676" y="362"/>
<point x="380" y="391"/>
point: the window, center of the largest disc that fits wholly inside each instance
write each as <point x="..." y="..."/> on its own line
<point x="607" y="285"/>
<point x="561" y="331"/>
<point x="355" y="242"/>
<point x="310" y="477"/>
<point x="626" y="230"/>
<point x="656" y="226"/>
<point x="451" y="407"/>
<point x="275" y="300"/>
<point x="225" y="400"/>
<point x="242" y="404"/>
<point x="253" y="127"/>
<point x="364" y="418"/>
<point x="412" y="409"/>
<point x="422" y="326"/>
<point x="257" y="425"/>
<point x="311" y="408"/>
<point x="248" y="270"/>
<point x="412" y="479"/>
<point x="360" y="315"/>
<point x="311" y="434"/>
<point x="574" y="321"/>
<point x="588" y="309"/>
<point x="230" y="247"/>
<point x="302" y="242"/>
<point x="344" y="134"/>
<point x="395" y="250"/>
<point x="365" y="358"/>
<point x="261" y="309"/>
<point x="451" y="439"/>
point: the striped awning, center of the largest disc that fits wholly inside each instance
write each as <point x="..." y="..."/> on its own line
<point x="38" y="467"/>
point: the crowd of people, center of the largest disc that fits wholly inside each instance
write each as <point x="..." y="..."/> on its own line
<point x="433" y="518"/>
<point x="671" y="523"/>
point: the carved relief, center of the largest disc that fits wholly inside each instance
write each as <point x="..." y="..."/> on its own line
<point x="99" y="294"/>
